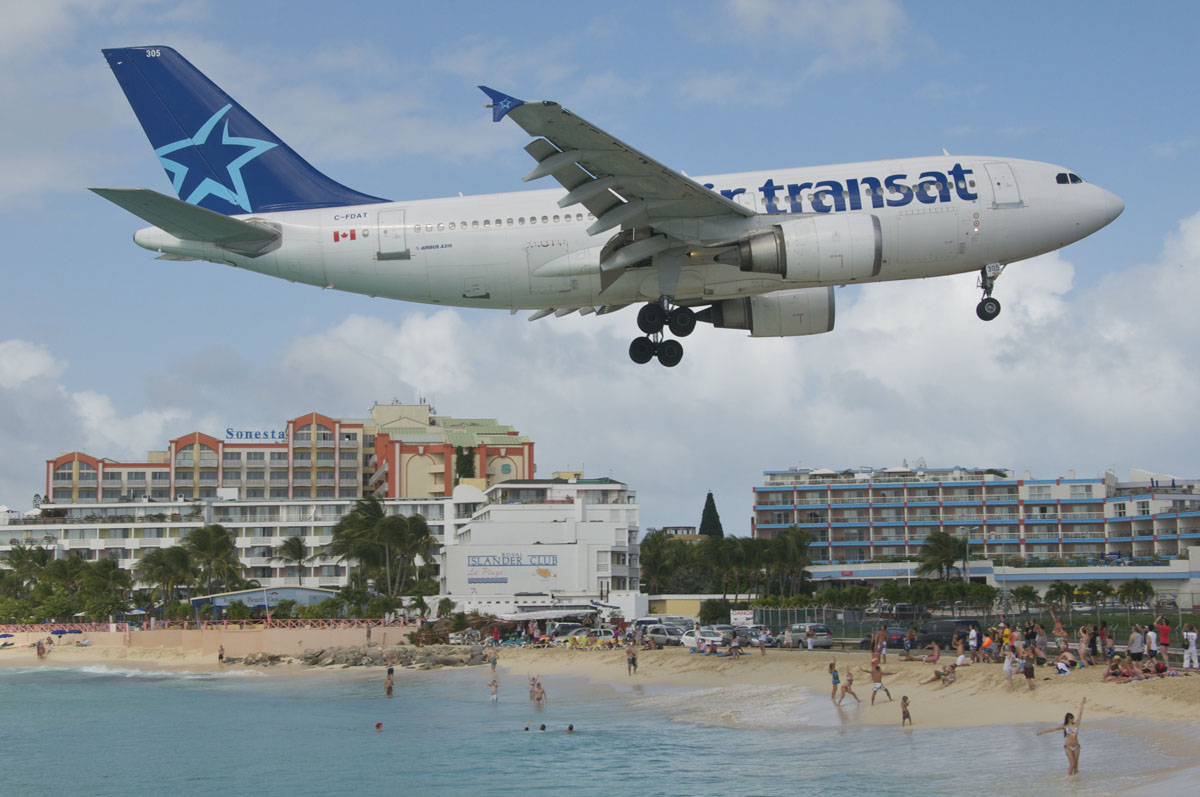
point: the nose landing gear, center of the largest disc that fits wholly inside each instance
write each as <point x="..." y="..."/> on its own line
<point x="652" y="318"/>
<point x="988" y="308"/>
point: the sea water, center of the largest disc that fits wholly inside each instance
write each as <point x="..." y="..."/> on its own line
<point x="106" y="730"/>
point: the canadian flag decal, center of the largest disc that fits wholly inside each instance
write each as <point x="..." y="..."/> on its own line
<point x="339" y="235"/>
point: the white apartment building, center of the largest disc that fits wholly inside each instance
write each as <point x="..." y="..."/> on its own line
<point x="545" y="544"/>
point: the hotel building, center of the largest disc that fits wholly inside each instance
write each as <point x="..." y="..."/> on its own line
<point x="268" y="484"/>
<point x="864" y="515"/>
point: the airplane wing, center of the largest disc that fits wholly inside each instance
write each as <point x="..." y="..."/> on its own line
<point x="191" y="222"/>
<point x="619" y="185"/>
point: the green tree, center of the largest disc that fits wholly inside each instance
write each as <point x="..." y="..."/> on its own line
<point x="1025" y="595"/>
<point x="293" y="552"/>
<point x="464" y="464"/>
<point x="214" y="550"/>
<point x="710" y="521"/>
<point x="419" y="605"/>
<point x="237" y="611"/>
<point x="1060" y="593"/>
<point x="941" y="554"/>
<point x="445" y="607"/>
<point x="168" y="569"/>
<point x="1136" y="590"/>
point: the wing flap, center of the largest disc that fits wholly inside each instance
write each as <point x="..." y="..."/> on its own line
<point x="191" y="222"/>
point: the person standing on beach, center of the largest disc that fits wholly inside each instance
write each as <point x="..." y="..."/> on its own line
<point x="220" y="655"/>
<point x="494" y="687"/>
<point x="973" y="644"/>
<point x="848" y="689"/>
<point x="1060" y="633"/>
<point x="809" y="634"/>
<point x="762" y="642"/>
<point x="877" y="674"/>
<point x="905" y="716"/>
<point x="1029" y="670"/>
<point x="1070" y="729"/>
<point x="1008" y="668"/>
<point x="493" y="659"/>
<point x="631" y="660"/>
<point x="1136" y="644"/>
<point x="836" y="681"/>
<point x="387" y="685"/>
<point x="539" y="695"/>
<point x="1189" y="647"/>
<point x="1151" y="644"/>
<point x="1163" y="626"/>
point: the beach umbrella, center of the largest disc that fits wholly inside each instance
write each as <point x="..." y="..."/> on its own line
<point x="74" y="631"/>
<point x="2" y="636"/>
<point x="58" y="631"/>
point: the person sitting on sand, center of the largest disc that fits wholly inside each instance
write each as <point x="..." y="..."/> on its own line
<point x="932" y="657"/>
<point x="937" y="676"/>
<point x="1112" y="673"/>
<point x="951" y="675"/>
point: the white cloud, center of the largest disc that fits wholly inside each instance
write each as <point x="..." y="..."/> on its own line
<point x="1063" y="378"/>
<point x="21" y="361"/>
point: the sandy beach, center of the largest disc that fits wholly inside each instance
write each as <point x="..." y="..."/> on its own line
<point x="980" y="697"/>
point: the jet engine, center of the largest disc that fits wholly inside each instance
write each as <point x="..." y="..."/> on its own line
<point x="805" y="311"/>
<point x="836" y="248"/>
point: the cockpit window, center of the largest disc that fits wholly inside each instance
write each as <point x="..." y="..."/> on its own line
<point x="1075" y="178"/>
<point x="1061" y="178"/>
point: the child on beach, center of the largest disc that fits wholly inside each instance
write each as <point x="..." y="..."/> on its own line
<point x="1028" y="670"/>
<point x="495" y="690"/>
<point x="905" y="717"/>
<point x="836" y="682"/>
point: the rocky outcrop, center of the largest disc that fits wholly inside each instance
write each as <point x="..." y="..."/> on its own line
<point x="423" y="658"/>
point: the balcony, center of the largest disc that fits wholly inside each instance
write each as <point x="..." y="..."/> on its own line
<point x="326" y="442"/>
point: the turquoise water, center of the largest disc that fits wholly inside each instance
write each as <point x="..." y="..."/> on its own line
<point x="102" y="730"/>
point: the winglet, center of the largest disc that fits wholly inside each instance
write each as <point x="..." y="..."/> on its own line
<point x="501" y="102"/>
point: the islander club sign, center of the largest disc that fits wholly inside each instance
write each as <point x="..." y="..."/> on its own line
<point x="255" y="434"/>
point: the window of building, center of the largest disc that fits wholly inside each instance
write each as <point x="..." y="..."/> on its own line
<point x="1119" y="510"/>
<point x="112" y="495"/>
<point x="112" y="476"/>
<point x="160" y="476"/>
<point x="1039" y="492"/>
<point x="254" y="492"/>
<point x="1081" y="491"/>
<point x="279" y="492"/>
<point x="1143" y="507"/>
<point x="232" y="456"/>
<point x="255" y="456"/>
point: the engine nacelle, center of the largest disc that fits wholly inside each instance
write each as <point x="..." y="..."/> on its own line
<point x="832" y="249"/>
<point x="805" y="311"/>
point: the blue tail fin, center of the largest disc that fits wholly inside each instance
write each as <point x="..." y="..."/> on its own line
<point x="216" y="154"/>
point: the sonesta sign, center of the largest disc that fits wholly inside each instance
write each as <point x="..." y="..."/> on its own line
<point x="254" y="434"/>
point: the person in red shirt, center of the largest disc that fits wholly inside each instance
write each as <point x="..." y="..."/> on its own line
<point x="1164" y="637"/>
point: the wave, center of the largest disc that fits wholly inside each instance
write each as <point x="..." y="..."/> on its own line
<point x="183" y="675"/>
<point x="742" y="706"/>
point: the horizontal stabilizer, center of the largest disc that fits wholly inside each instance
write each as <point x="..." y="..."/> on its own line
<point x="191" y="222"/>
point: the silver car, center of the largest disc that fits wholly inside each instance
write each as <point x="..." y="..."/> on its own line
<point x="664" y="635"/>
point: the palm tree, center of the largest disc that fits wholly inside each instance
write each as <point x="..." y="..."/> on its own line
<point x="1060" y="592"/>
<point x="653" y="555"/>
<point x="104" y="578"/>
<point x="293" y="551"/>
<point x="215" y="551"/>
<point x="941" y="554"/>
<point x="1025" y="595"/>
<point x="1137" y="590"/>
<point x="365" y="536"/>
<point x="168" y="569"/>
<point x="27" y="563"/>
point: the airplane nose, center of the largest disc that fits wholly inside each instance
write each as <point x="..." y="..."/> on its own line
<point x="1116" y="205"/>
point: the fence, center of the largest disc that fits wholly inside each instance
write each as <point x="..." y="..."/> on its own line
<point x="861" y="622"/>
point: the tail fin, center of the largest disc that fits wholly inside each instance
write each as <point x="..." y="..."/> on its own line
<point x="216" y="154"/>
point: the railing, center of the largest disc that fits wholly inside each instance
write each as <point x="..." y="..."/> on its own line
<point x="46" y="628"/>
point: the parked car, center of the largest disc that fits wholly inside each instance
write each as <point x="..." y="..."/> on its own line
<point x="724" y="630"/>
<point x="688" y="639"/>
<point x="895" y="640"/>
<point x="563" y="630"/>
<point x="665" y="635"/>
<point x="943" y="631"/>
<point x="747" y="636"/>
<point x="822" y="635"/>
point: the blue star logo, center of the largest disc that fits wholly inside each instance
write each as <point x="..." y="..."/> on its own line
<point x="208" y="186"/>
<point x="506" y="103"/>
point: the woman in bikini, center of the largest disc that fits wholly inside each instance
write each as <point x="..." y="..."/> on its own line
<point x="836" y="681"/>
<point x="848" y="688"/>
<point x="1070" y="729"/>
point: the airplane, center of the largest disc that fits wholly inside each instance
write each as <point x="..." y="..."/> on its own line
<point x="757" y="251"/>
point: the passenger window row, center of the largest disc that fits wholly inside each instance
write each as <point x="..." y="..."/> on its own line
<point x="520" y="221"/>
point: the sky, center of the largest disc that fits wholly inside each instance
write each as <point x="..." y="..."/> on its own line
<point x="1091" y="365"/>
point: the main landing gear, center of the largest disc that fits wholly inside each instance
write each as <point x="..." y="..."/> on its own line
<point x="652" y="318"/>
<point x="988" y="308"/>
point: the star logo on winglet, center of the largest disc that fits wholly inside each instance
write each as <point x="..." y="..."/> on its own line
<point x="208" y="155"/>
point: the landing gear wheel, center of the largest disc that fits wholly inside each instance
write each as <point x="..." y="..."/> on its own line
<point x="682" y="322"/>
<point x="642" y="350"/>
<point x="988" y="309"/>
<point x="651" y="319"/>
<point x="670" y="352"/>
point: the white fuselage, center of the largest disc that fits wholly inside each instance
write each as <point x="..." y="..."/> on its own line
<point x="945" y="215"/>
